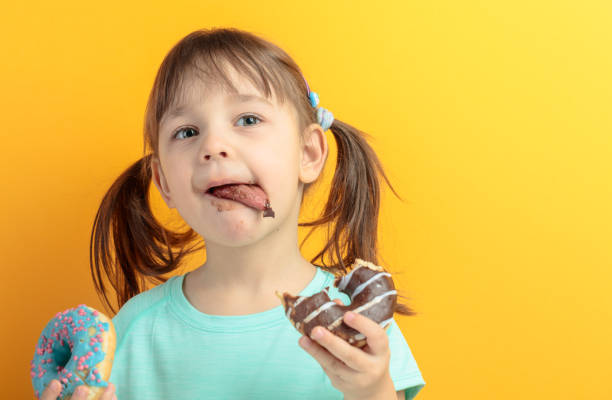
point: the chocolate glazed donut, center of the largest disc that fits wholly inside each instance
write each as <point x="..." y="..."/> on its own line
<point x="372" y="294"/>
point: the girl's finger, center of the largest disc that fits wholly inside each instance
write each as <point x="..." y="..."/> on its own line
<point x="109" y="393"/>
<point x="51" y="391"/>
<point x="80" y="393"/>
<point x="329" y="363"/>
<point x="377" y="339"/>
<point x="353" y="357"/>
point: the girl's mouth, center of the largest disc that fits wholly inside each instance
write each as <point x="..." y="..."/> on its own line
<point x="250" y="195"/>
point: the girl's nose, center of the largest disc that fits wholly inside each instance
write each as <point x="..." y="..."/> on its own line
<point x="222" y="153"/>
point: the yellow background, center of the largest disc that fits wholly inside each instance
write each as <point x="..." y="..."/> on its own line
<point x="492" y="118"/>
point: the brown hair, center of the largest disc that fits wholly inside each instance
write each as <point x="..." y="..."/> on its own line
<point x="146" y="250"/>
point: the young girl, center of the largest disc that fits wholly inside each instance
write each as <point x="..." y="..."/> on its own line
<point x="228" y="107"/>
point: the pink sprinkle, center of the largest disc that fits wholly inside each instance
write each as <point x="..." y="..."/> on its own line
<point x="76" y="358"/>
<point x="64" y="380"/>
<point x="95" y="348"/>
<point x="98" y="379"/>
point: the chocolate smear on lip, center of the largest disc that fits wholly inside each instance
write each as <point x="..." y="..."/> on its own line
<point x="251" y="195"/>
<point x="268" y="212"/>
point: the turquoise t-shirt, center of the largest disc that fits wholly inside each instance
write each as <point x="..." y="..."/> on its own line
<point x="167" y="349"/>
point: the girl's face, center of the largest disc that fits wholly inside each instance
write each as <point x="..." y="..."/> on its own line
<point x="218" y="135"/>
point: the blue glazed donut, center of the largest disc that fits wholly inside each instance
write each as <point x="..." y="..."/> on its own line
<point x="77" y="347"/>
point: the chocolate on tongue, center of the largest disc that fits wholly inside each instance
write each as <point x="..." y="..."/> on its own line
<point x="249" y="195"/>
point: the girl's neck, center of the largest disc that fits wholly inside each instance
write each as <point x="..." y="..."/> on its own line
<point x="231" y="294"/>
<point x="272" y="263"/>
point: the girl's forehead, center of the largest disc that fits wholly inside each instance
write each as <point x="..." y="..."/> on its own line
<point x="232" y="86"/>
<point x="196" y="93"/>
<point x="193" y="92"/>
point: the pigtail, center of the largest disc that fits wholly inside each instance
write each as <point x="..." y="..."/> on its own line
<point x="353" y="204"/>
<point x="125" y="227"/>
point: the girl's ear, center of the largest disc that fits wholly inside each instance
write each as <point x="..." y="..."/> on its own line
<point x="313" y="153"/>
<point x="160" y="181"/>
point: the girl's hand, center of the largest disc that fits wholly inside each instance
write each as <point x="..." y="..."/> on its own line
<point x="80" y="393"/>
<point x="358" y="373"/>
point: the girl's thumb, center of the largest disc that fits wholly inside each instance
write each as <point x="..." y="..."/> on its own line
<point x="52" y="390"/>
<point x="55" y="386"/>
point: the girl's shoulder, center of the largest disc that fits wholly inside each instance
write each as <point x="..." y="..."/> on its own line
<point x="140" y="304"/>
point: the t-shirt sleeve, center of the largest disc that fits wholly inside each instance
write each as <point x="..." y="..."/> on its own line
<point x="403" y="368"/>
<point x="134" y="308"/>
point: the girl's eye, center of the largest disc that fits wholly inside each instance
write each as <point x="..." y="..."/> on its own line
<point x="249" y="117"/>
<point x="188" y="129"/>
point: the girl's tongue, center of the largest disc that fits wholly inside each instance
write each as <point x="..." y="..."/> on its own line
<point x="249" y="195"/>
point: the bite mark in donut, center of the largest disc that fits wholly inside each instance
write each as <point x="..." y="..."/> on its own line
<point x="372" y="294"/>
<point x="77" y="348"/>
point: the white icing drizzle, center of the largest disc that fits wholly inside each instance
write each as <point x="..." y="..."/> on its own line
<point x="335" y="324"/>
<point x="298" y="301"/>
<point x="346" y="279"/>
<point x="367" y="305"/>
<point x="360" y="288"/>
<point x="384" y="323"/>
<point x="375" y="300"/>
<point x="319" y="311"/>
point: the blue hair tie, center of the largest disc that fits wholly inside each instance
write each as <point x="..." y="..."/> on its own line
<point x="324" y="116"/>
<point x="314" y="99"/>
